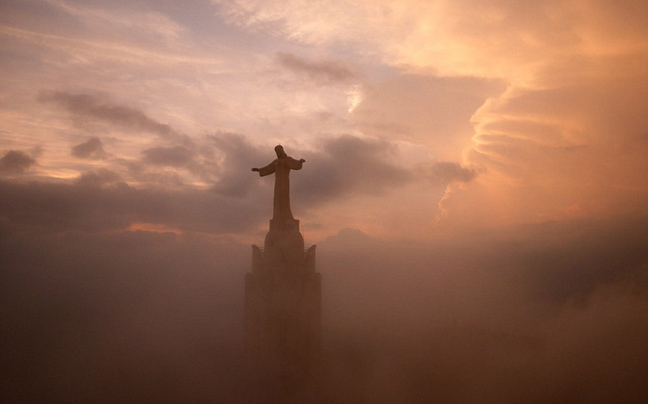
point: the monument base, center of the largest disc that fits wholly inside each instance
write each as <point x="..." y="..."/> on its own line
<point x="283" y="308"/>
<point x="284" y="244"/>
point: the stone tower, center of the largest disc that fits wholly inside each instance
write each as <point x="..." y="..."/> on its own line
<point x="283" y="290"/>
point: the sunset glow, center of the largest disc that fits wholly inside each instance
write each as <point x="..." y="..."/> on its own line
<point x="551" y="95"/>
<point x="494" y="127"/>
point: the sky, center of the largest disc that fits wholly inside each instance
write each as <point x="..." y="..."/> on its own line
<point x="476" y="180"/>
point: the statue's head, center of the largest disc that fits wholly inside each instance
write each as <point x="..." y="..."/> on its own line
<point x="280" y="151"/>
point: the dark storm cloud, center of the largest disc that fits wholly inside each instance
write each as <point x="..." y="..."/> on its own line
<point x="90" y="149"/>
<point x="319" y="71"/>
<point x="348" y="165"/>
<point x="446" y="172"/>
<point x="15" y="161"/>
<point x="99" y="108"/>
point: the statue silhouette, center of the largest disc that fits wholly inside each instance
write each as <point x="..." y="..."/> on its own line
<point x="281" y="168"/>
<point x="283" y="293"/>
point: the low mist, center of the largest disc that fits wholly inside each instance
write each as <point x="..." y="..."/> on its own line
<point x="547" y="313"/>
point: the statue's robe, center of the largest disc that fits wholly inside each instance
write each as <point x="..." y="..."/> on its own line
<point x="281" y="168"/>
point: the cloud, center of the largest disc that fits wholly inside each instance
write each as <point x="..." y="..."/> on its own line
<point x="176" y="156"/>
<point x="473" y="38"/>
<point x="319" y="71"/>
<point x="93" y="307"/>
<point x="101" y="177"/>
<point x="351" y="239"/>
<point x="424" y="109"/>
<point x="238" y="158"/>
<point x="322" y="22"/>
<point x="446" y="172"/>
<point x="349" y="165"/>
<point x="15" y="161"/>
<point x="98" y="108"/>
<point x="90" y="149"/>
<point x="551" y="93"/>
<point x="571" y="149"/>
<point x="508" y="315"/>
<point x="97" y="303"/>
<point x="98" y="201"/>
<point x="488" y="300"/>
<point x="343" y="166"/>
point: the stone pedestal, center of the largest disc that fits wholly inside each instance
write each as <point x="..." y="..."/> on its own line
<point x="284" y="245"/>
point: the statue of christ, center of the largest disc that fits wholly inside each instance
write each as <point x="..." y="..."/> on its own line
<point x="281" y="168"/>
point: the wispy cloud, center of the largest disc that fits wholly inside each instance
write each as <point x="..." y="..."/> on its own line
<point x="446" y="172"/>
<point x="101" y="177"/>
<point x="90" y="149"/>
<point x="320" y="71"/>
<point x="176" y="156"/>
<point x="102" y="109"/>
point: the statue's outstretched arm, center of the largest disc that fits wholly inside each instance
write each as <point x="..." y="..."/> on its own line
<point x="267" y="170"/>
<point x="295" y="164"/>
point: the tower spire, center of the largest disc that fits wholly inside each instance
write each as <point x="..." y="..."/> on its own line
<point x="283" y="290"/>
